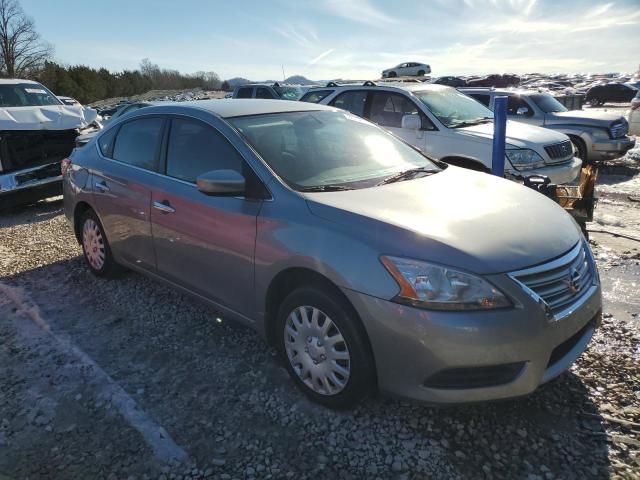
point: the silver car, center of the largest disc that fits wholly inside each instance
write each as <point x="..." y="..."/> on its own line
<point x="364" y="263"/>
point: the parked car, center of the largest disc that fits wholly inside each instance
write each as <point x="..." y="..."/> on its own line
<point x="450" y="81"/>
<point x="407" y="69"/>
<point x="363" y="262"/>
<point x="273" y="91"/>
<point x="634" y="115"/>
<point x="36" y="132"/>
<point x="595" y="135"/>
<point x="611" y="92"/>
<point x="494" y="80"/>
<point x="82" y="140"/>
<point x="449" y="126"/>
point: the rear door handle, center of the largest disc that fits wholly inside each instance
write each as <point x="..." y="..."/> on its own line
<point x="164" y="206"/>
<point x="102" y="186"/>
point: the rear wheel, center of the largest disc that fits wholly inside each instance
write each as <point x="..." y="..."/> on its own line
<point x="594" y="102"/>
<point x="95" y="247"/>
<point x="324" y="347"/>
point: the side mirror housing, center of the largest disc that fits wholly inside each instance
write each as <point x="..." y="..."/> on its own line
<point x="411" y="122"/>
<point x="522" y="111"/>
<point x="222" y="183"/>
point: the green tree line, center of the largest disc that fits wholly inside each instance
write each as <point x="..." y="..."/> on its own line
<point x="87" y="84"/>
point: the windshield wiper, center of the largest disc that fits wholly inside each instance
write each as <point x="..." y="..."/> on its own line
<point x="324" y="188"/>
<point x="407" y="174"/>
<point x="470" y="123"/>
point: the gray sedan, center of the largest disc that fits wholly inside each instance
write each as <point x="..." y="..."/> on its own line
<point x="364" y="263"/>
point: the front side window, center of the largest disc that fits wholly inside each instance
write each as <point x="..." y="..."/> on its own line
<point x="245" y="92"/>
<point x="315" y="96"/>
<point x="547" y="103"/>
<point x="26" y="95"/>
<point x="516" y="105"/>
<point x="196" y="148"/>
<point x="138" y="143"/>
<point x="318" y="149"/>
<point x="352" y="101"/>
<point x="387" y="109"/>
<point x="262" y="92"/>
<point x="454" y="109"/>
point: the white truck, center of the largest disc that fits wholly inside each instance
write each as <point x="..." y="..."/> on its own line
<point x="450" y="126"/>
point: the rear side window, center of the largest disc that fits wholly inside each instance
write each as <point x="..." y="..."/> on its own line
<point x="262" y="92"/>
<point x="482" y="98"/>
<point x="105" y="142"/>
<point x="245" y="92"/>
<point x="137" y="143"/>
<point x="353" y="101"/>
<point x="196" y="148"/>
<point x="315" y="96"/>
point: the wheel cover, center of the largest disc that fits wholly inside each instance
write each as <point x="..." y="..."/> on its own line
<point x="317" y="350"/>
<point x="93" y="244"/>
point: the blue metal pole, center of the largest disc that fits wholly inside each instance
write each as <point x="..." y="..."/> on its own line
<point x="499" y="134"/>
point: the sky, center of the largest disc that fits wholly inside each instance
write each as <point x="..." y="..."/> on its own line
<point x="325" y="39"/>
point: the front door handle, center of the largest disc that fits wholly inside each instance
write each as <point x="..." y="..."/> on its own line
<point x="102" y="186"/>
<point x="164" y="206"/>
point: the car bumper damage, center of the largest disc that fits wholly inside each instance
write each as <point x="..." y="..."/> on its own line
<point x="608" y="149"/>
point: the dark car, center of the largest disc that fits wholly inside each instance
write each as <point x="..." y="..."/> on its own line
<point x="451" y="81"/>
<point x="611" y="92"/>
<point x="495" y="80"/>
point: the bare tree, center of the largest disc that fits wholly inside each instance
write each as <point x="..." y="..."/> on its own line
<point x="22" y="51"/>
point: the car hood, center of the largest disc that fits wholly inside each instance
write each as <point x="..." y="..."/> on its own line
<point x="50" y="117"/>
<point x="596" y="119"/>
<point x="458" y="217"/>
<point x="519" y="135"/>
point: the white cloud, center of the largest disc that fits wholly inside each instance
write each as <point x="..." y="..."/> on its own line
<point x="321" y="56"/>
<point x="357" y="11"/>
<point x="599" y="10"/>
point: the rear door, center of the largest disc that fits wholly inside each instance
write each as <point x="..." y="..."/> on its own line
<point x="122" y="187"/>
<point x="204" y="243"/>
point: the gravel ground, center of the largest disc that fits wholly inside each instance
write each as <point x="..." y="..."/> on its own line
<point x="128" y="379"/>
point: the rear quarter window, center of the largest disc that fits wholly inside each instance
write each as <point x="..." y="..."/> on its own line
<point x="105" y="142"/>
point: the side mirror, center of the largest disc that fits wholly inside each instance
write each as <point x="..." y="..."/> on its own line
<point x="522" y="111"/>
<point x="221" y="183"/>
<point x="411" y="122"/>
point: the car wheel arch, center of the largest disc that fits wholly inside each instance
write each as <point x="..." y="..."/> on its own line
<point x="466" y="162"/>
<point x="79" y="210"/>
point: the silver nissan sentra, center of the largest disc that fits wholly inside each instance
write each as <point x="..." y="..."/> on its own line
<point x="364" y="263"/>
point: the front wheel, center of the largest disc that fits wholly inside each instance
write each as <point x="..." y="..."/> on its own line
<point x="594" y="102"/>
<point x="95" y="247"/>
<point x="324" y="347"/>
<point x="392" y="74"/>
<point x="421" y="73"/>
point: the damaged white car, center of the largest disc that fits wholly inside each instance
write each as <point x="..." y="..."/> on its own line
<point x="37" y="131"/>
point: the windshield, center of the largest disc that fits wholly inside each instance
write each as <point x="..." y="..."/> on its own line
<point x="289" y="93"/>
<point x="26" y="95"/>
<point x="321" y="148"/>
<point x="453" y="108"/>
<point x="547" y="103"/>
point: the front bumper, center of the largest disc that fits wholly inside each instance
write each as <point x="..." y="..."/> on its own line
<point x="412" y="345"/>
<point x="558" y="174"/>
<point x="609" y="149"/>
<point x="30" y="184"/>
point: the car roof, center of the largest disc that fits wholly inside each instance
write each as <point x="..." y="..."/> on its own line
<point x="409" y="87"/>
<point x="238" y="107"/>
<point x="15" y="81"/>
<point x="517" y="91"/>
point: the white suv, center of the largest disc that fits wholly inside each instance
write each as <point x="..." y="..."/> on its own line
<point x="449" y="126"/>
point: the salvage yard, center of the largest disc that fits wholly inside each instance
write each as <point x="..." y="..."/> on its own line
<point x="129" y="379"/>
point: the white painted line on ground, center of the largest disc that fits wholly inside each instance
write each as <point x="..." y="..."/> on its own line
<point x="158" y="439"/>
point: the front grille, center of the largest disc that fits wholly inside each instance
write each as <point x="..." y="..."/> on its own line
<point x="475" y="377"/>
<point x="561" y="282"/>
<point x="619" y="128"/>
<point x="559" y="151"/>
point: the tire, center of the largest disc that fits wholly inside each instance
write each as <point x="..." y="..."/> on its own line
<point x="421" y="73"/>
<point x="392" y="75"/>
<point x="95" y="247"/>
<point x="594" y="102"/>
<point x="581" y="149"/>
<point x="337" y="377"/>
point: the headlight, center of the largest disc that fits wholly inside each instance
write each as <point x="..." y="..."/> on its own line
<point x="600" y="134"/>
<point x="435" y="287"/>
<point x="524" y="159"/>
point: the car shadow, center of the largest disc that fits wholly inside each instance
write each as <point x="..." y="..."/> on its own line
<point x="31" y="213"/>
<point x="221" y="392"/>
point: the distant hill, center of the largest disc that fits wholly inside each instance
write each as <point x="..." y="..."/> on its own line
<point x="296" y="79"/>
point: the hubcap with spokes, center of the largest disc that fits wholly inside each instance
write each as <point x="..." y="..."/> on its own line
<point x="93" y="244"/>
<point x="317" y="351"/>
